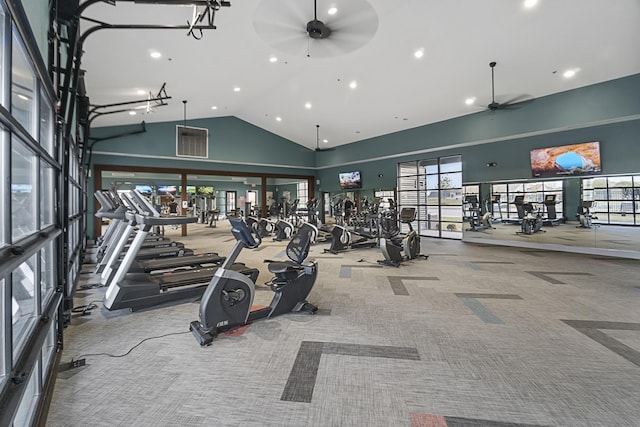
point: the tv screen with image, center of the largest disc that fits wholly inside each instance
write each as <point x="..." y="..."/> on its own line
<point x="350" y="180"/>
<point x="165" y="190"/>
<point x="144" y="189"/>
<point x="566" y="160"/>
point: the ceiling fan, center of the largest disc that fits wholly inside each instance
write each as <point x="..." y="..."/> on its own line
<point x="318" y="149"/>
<point x="288" y="26"/>
<point x="317" y="29"/>
<point x="501" y="105"/>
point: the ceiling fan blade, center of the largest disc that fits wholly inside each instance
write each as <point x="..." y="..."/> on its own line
<point x="296" y="45"/>
<point x="282" y="24"/>
<point x="518" y="100"/>
<point x="354" y="21"/>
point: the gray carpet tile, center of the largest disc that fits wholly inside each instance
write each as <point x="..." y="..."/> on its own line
<point x="409" y="346"/>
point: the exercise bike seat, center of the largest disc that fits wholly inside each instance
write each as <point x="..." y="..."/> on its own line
<point x="297" y="251"/>
<point x="278" y="267"/>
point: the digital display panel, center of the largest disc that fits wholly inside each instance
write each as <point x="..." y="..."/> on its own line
<point x="566" y="160"/>
<point x="350" y="180"/>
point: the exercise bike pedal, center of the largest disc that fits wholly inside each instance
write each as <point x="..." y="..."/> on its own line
<point x="305" y="306"/>
<point x="205" y="338"/>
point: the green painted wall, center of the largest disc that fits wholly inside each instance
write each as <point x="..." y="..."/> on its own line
<point x="608" y="112"/>
<point x="234" y="145"/>
<point x="584" y="107"/>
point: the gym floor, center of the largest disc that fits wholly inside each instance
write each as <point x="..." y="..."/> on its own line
<point x="476" y="335"/>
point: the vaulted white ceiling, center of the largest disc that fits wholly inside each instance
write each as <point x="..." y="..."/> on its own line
<point x="373" y="44"/>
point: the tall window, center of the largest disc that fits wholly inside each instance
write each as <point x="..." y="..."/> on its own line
<point x="4" y="166"/>
<point x="616" y="199"/>
<point x="230" y="201"/>
<point x="24" y="300"/>
<point x="29" y="198"/>
<point x="23" y="83"/>
<point x="535" y="192"/>
<point x="434" y="187"/>
<point x="23" y="190"/>
<point x="303" y="193"/>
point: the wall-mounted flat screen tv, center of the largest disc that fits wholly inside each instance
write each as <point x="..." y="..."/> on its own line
<point x="350" y="180"/>
<point x="164" y="190"/>
<point x="145" y="189"/>
<point x="566" y="160"/>
<point x="205" y="190"/>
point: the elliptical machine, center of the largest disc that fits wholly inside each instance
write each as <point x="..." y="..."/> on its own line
<point x="265" y="227"/>
<point x="476" y="221"/>
<point x="283" y="230"/>
<point x="227" y="301"/>
<point x="343" y="240"/>
<point x="393" y="247"/>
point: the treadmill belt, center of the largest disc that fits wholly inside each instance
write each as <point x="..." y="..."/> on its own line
<point x="201" y="275"/>
<point x="184" y="261"/>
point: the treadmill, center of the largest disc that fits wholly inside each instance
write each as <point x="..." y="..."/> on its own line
<point x="114" y="252"/>
<point x="144" y="259"/>
<point x="142" y="290"/>
<point x="119" y="234"/>
<point x="518" y="202"/>
<point x="552" y="214"/>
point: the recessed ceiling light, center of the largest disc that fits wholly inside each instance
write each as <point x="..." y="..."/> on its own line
<point x="325" y="141"/>
<point x="307" y="105"/>
<point x="155" y="54"/>
<point x="569" y="73"/>
<point x="353" y="84"/>
<point x="214" y="107"/>
<point x="140" y="92"/>
<point x="530" y="3"/>
<point x="470" y="101"/>
<point x="332" y="10"/>
<point x="278" y="119"/>
<point x="132" y="113"/>
<point x="273" y="59"/>
<point x="419" y="53"/>
<point x="236" y="89"/>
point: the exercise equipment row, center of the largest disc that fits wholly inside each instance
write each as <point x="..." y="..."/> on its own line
<point x="136" y="283"/>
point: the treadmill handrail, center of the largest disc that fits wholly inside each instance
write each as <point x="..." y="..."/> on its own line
<point x="165" y="220"/>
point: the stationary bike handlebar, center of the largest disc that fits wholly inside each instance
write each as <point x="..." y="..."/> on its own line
<point x="241" y="231"/>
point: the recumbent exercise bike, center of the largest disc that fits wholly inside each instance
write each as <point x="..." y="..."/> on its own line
<point x="532" y="220"/>
<point x="227" y="301"/>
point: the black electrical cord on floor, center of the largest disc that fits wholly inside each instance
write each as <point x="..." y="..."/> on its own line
<point x="92" y="286"/>
<point x="85" y="310"/>
<point x="367" y="261"/>
<point x="132" y="348"/>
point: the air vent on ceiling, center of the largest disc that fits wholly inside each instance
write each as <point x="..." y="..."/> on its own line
<point x="192" y="142"/>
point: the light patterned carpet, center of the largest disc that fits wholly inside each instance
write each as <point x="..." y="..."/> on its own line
<point x="473" y="336"/>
